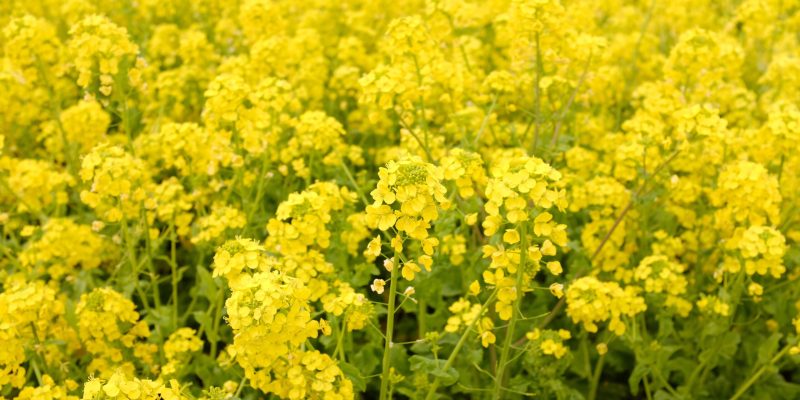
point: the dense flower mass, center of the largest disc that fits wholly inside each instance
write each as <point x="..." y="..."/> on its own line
<point x="422" y="199"/>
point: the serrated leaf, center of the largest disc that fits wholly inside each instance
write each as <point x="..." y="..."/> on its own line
<point x="434" y="367"/>
<point x="768" y="348"/>
<point x="354" y="374"/>
<point x="636" y="377"/>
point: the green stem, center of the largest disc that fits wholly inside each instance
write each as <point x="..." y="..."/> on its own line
<point x="598" y="370"/>
<point x="254" y="206"/>
<point x="174" y="271"/>
<point x="217" y="319"/>
<point x="355" y="184"/>
<point x="461" y="341"/>
<point x="387" y="359"/>
<point x="240" y="387"/>
<point x="509" y="338"/>
<point x="134" y="265"/>
<point x="646" y="388"/>
<point x="537" y="98"/>
<point x="743" y="389"/>
<point x="560" y="122"/>
<point x="39" y="354"/>
<point x="149" y="254"/>
<point x="340" y="329"/>
<point x="485" y="121"/>
<point x="421" y="320"/>
<point x="416" y="137"/>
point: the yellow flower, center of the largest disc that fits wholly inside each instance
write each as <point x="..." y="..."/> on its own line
<point x="373" y="248"/>
<point x="557" y="290"/>
<point x="487" y="338"/>
<point x="380" y="216"/>
<point x="511" y="236"/>
<point x="410" y="270"/>
<point x="474" y="288"/>
<point x="377" y="286"/>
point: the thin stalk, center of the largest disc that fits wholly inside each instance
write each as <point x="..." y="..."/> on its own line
<point x="421" y="318"/>
<point x="42" y="216"/>
<point x="134" y="265"/>
<point x="459" y="345"/>
<point x="174" y="271"/>
<point x="571" y="100"/>
<point x="259" y="189"/>
<point x="340" y="342"/>
<point x="537" y="97"/>
<point x="416" y="137"/>
<point x="485" y="121"/>
<point x="598" y="370"/>
<point x="38" y="348"/>
<point x="509" y="338"/>
<point x="240" y="387"/>
<point x="150" y="266"/>
<point x="752" y="380"/>
<point x="217" y="319"/>
<point x="355" y="184"/>
<point x="390" y="310"/>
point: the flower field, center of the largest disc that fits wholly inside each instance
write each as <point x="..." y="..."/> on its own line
<point x="399" y="199"/>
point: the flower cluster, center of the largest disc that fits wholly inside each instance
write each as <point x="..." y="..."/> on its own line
<point x="116" y="182"/>
<point x="338" y="199"/>
<point x="270" y="315"/>
<point x="590" y="300"/>
<point x="414" y="188"/>
<point x="110" y="326"/>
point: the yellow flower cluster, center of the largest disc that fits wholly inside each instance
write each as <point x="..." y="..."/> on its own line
<point x="116" y="182"/>
<point x="467" y="170"/>
<point x="760" y="249"/>
<point x="746" y="194"/>
<point x="464" y="315"/>
<point x="101" y="51"/>
<point x="83" y="125"/>
<point x="300" y="233"/>
<point x="517" y="186"/>
<point x="301" y="220"/>
<point x="31" y="313"/>
<point x="414" y="187"/>
<point x="125" y="387"/>
<point x="188" y="149"/>
<point x="178" y="350"/>
<point x="63" y="247"/>
<point x="31" y="46"/>
<point x="211" y="228"/>
<point x="270" y="315"/>
<point x="343" y="299"/>
<point x="315" y="135"/>
<point x="33" y="185"/>
<point x="713" y="305"/>
<point x="661" y="275"/>
<point x="110" y="328"/>
<point x="550" y="342"/>
<point x="221" y="200"/>
<point x="590" y="300"/>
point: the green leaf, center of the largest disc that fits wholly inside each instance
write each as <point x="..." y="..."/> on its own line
<point x="354" y="374"/>
<point x="638" y="373"/>
<point x="435" y="368"/>
<point x="206" y="286"/>
<point x="768" y="348"/>
<point x="363" y="274"/>
<point x="204" y="320"/>
<point x="368" y="358"/>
